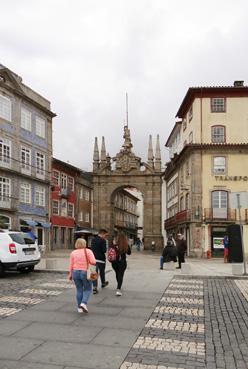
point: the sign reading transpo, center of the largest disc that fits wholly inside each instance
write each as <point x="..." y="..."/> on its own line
<point x="231" y="178"/>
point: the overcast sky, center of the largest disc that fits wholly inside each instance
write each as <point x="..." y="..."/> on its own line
<point x="83" y="55"/>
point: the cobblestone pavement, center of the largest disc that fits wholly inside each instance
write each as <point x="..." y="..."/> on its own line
<point x="197" y="324"/>
<point x="20" y="291"/>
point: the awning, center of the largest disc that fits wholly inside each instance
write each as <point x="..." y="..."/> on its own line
<point x="29" y="222"/>
<point x="86" y="230"/>
<point x="44" y="225"/>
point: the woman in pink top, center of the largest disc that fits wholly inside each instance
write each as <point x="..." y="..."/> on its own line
<point x="78" y="272"/>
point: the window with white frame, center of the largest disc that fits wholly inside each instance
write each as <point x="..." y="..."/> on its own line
<point x="63" y="180"/>
<point x="191" y="137"/>
<point x="5" y="108"/>
<point x="55" y="207"/>
<point x="218" y="134"/>
<point x="40" y="127"/>
<point x="63" y="208"/>
<point x="5" y="193"/>
<point x="219" y="164"/>
<point x="56" y="177"/>
<point x="80" y="216"/>
<point x="218" y="105"/>
<point x="26" y="159"/>
<point x="25" y="193"/>
<point x="5" y="152"/>
<point x="26" y="119"/>
<point x="40" y="196"/>
<point x="70" y="210"/>
<point x="70" y="183"/>
<point x="40" y="164"/>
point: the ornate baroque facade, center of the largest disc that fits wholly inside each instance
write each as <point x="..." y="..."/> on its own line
<point x="126" y="170"/>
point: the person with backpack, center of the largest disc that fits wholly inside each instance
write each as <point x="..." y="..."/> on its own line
<point x="99" y="248"/>
<point x="117" y="256"/>
<point x="169" y="252"/>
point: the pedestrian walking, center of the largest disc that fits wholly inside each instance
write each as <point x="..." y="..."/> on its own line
<point x="99" y="248"/>
<point x="181" y="247"/>
<point x="78" y="273"/>
<point x="169" y="252"/>
<point x="226" y="248"/>
<point x="138" y="244"/>
<point x="120" y="264"/>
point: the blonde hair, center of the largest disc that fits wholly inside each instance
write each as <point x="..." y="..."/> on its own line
<point x="80" y="243"/>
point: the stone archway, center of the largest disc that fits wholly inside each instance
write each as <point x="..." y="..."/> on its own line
<point x="127" y="170"/>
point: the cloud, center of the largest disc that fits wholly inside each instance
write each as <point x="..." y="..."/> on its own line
<point x="84" y="55"/>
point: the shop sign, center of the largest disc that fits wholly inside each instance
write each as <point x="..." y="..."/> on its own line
<point x="218" y="243"/>
<point x="231" y="178"/>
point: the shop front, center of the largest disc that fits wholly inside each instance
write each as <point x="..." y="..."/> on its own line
<point x="217" y="241"/>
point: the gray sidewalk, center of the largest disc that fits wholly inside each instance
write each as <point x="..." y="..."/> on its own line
<point x="52" y="335"/>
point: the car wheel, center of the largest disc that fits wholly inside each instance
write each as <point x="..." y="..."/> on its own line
<point x="1" y="270"/>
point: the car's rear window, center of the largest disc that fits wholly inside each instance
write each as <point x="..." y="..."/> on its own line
<point x="21" y="238"/>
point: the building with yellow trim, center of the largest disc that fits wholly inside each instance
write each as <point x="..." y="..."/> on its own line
<point x="208" y="166"/>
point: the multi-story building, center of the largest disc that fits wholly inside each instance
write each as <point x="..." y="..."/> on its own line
<point x="125" y="213"/>
<point x="63" y="204"/>
<point x="208" y="167"/>
<point x="84" y="218"/>
<point x="25" y="156"/>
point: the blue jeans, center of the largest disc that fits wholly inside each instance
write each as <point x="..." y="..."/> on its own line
<point x="161" y="262"/>
<point x="83" y="286"/>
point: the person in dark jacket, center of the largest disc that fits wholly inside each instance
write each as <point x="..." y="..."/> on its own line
<point x="99" y="248"/>
<point x="169" y="252"/>
<point x="120" y="265"/>
<point x="181" y="246"/>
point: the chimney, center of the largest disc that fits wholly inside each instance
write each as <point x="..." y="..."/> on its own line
<point x="238" y="83"/>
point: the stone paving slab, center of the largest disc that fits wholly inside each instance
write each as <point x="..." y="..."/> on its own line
<point x="116" y="337"/>
<point x="10" y="364"/>
<point x="127" y="302"/>
<point x="67" y="354"/>
<point x="110" y="322"/>
<point x="59" y="332"/>
<point x="16" y="348"/>
<point x="45" y="316"/>
<point x="94" y="309"/>
<point x="50" y="306"/>
<point x="8" y="327"/>
<point x="135" y="313"/>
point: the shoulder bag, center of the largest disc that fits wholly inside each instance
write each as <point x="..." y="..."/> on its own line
<point x="92" y="274"/>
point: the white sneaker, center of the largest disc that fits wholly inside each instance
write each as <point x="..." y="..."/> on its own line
<point x="84" y="307"/>
<point x="118" y="293"/>
<point x="80" y="310"/>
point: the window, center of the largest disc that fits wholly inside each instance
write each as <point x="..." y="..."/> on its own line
<point x="218" y="134"/>
<point x="5" y="108"/>
<point x="87" y="194"/>
<point x="187" y="201"/>
<point x="55" y="177"/>
<point x="5" y="189"/>
<point x="40" y="164"/>
<point x="80" y="216"/>
<point x="218" y="105"/>
<point x="26" y="119"/>
<point x="190" y="113"/>
<point x="55" y="207"/>
<point x="184" y="124"/>
<point x="5" y="222"/>
<point x="40" y="196"/>
<point x="181" y="203"/>
<point x="71" y="183"/>
<point x="63" y="180"/>
<point x="191" y="137"/>
<point x="219" y="204"/>
<point x="70" y="210"/>
<point x="5" y="152"/>
<point x="26" y="160"/>
<point x="63" y="208"/>
<point x="219" y="164"/>
<point x="63" y="235"/>
<point x="25" y="193"/>
<point x="40" y="127"/>
<point x="87" y="217"/>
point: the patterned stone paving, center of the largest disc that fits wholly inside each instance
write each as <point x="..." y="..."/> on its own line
<point x="180" y="336"/>
<point x="175" y="326"/>
<point x="183" y="300"/>
<point x="18" y="291"/>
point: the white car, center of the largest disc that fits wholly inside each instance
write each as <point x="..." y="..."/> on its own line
<point x="17" y="252"/>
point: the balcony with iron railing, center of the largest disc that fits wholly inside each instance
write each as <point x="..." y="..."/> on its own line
<point x="15" y="166"/>
<point x="219" y="214"/>
<point x="183" y="216"/>
<point x="8" y="203"/>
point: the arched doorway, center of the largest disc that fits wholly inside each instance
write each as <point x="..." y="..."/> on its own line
<point x="124" y="171"/>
